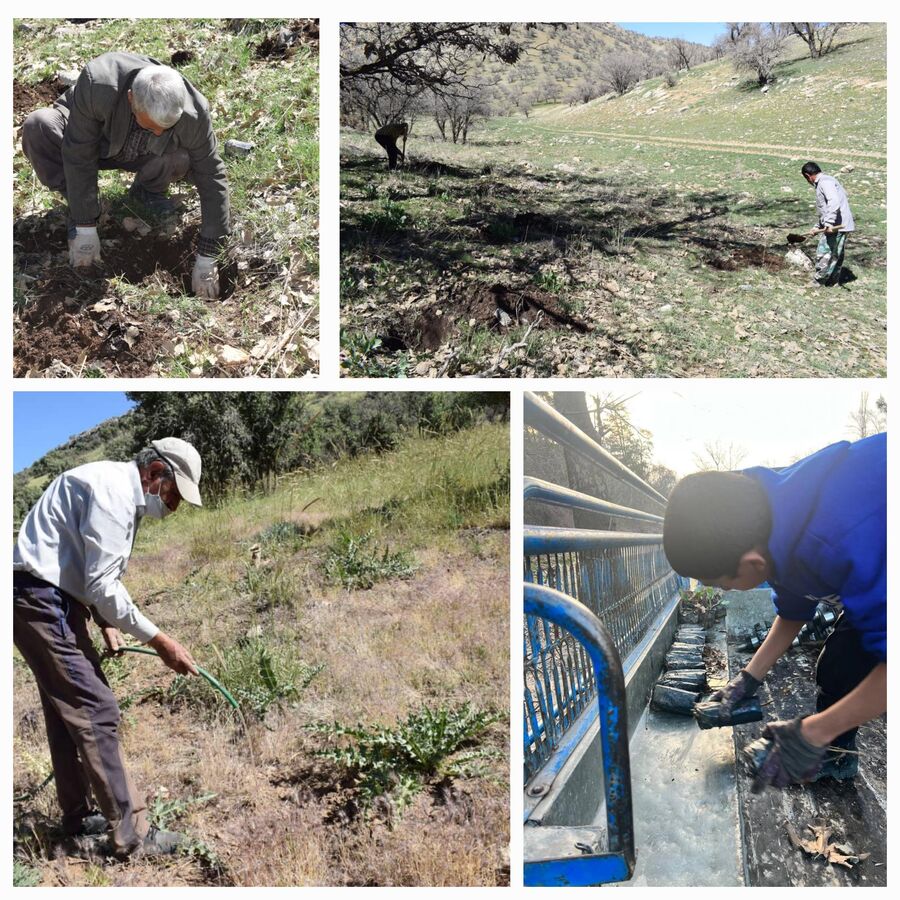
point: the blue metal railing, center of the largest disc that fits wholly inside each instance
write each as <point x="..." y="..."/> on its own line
<point x="622" y="577"/>
<point x="592" y="598"/>
<point x="578" y="858"/>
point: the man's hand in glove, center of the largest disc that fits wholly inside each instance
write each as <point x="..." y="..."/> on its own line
<point x="782" y="756"/>
<point x="205" y="278"/>
<point x="84" y="248"/>
<point x="742" y="686"/>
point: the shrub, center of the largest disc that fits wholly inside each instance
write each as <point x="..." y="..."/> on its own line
<point x="387" y="217"/>
<point x="258" y="675"/>
<point x="399" y="760"/>
<point x="25" y="876"/>
<point x="353" y="562"/>
<point x="282" y="536"/>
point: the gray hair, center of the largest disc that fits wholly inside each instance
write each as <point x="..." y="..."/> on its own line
<point x="159" y="93"/>
<point x="149" y="455"/>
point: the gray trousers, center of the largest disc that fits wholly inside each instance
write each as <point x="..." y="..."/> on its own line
<point x="80" y="711"/>
<point x="42" y="137"/>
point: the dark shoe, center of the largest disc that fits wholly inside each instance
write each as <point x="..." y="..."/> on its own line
<point x="158" y="204"/>
<point x="160" y="843"/>
<point x="839" y="765"/>
<point x="92" y="824"/>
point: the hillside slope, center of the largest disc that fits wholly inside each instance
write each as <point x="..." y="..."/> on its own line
<point x="362" y="593"/>
<point x="642" y="235"/>
<point x="834" y="106"/>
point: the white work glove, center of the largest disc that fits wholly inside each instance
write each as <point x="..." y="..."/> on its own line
<point x="84" y="250"/>
<point x="205" y="278"/>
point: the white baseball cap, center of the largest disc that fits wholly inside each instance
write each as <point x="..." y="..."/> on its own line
<point x="185" y="463"/>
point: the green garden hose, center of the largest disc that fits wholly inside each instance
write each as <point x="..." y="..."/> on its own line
<point x="29" y="795"/>
<point x="210" y="678"/>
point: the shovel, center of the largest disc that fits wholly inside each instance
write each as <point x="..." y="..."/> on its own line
<point x="800" y="238"/>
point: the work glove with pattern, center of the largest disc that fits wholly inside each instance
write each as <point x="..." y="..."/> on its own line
<point x="742" y="686"/>
<point x="205" y="278"/>
<point x="84" y="248"/>
<point x="782" y="756"/>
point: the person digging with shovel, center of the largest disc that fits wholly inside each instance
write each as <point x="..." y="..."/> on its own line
<point x="835" y="223"/>
<point x="815" y="531"/>
<point x="130" y="112"/>
<point x="69" y="558"/>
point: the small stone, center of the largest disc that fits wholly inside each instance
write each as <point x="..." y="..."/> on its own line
<point x="67" y="78"/>
<point x="239" y="148"/>
<point x="232" y="356"/>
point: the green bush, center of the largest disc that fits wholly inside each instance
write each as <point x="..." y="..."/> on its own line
<point x="387" y="217"/>
<point x="258" y="674"/>
<point x="399" y="760"/>
<point x="353" y="562"/>
<point x="25" y="876"/>
<point x="550" y="281"/>
<point x="272" y="585"/>
<point x="281" y="537"/>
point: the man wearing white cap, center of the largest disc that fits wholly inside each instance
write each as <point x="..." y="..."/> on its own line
<point x="69" y="559"/>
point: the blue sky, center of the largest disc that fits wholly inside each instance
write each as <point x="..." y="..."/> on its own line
<point x="699" y="32"/>
<point x="44" y="420"/>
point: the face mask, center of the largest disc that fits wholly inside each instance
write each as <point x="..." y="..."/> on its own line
<point x="155" y="507"/>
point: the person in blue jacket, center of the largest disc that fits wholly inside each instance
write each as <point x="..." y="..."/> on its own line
<point x="815" y="531"/>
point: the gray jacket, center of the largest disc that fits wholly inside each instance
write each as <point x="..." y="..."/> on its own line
<point x="99" y="119"/>
<point x="832" y="204"/>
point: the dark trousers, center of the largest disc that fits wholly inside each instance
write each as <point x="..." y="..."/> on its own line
<point x="80" y="711"/>
<point x="841" y="666"/>
<point x="42" y="138"/>
<point x="390" y="145"/>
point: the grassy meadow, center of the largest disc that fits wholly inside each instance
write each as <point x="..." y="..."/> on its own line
<point x="650" y="230"/>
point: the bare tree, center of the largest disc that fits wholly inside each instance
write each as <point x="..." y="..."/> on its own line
<point x="379" y="101"/>
<point x="681" y="54"/>
<point x="867" y="419"/>
<point x="722" y="46"/>
<point x="454" y="115"/>
<point x="758" y="48"/>
<point x="621" y="71"/>
<point x="818" y="36"/>
<point x="718" y="456"/>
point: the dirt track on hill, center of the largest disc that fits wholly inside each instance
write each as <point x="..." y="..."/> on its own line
<point x="779" y="150"/>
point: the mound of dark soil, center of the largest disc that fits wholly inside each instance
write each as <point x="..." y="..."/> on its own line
<point x="29" y="97"/>
<point x="76" y="317"/>
<point x="731" y="259"/>
<point x="497" y="307"/>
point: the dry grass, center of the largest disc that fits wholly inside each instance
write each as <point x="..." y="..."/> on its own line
<point x="280" y="815"/>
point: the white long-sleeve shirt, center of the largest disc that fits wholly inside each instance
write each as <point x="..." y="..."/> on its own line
<point x="79" y="534"/>
<point x="832" y="204"/>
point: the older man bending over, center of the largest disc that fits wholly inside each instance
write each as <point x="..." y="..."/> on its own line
<point x="129" y="112"/>
<point x="68" y="562"/>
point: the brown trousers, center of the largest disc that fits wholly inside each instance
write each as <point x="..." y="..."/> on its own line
<point x="80" y="711"/>
<point x="42" y="138"/>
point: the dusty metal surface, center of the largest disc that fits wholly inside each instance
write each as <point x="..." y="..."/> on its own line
<point x="856" y="810"/>
<point x="685" y="806"/>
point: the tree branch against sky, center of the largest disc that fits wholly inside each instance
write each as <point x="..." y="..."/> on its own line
<point x="720" y="456"/>
<point x="433" y="55"/>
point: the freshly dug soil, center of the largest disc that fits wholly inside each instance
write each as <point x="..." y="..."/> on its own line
<point x="746" y="257"/>
<point x="75" y="317"/>
<point x="497" y="307"/>
<point x="29" y="97"/>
